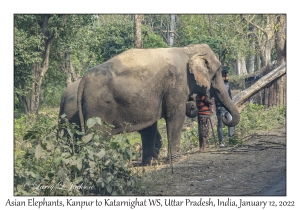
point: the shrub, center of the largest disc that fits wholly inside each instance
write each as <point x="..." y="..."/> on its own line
<point x="256" y="118"/>
<point x="55" y="164"/>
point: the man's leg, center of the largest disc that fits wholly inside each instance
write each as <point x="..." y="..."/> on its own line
<point x="203" y="130"/>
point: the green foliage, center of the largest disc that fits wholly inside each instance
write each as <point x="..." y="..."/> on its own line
<point x="152" y="40"/>
<point x="225" y="34"/>
<point x="21" y="125"/>
<point x="115" y="37"/>
<point x="189" y="140"/>
<point x="237" y="82"/>
<point x="256" y="118"/>
<point x="31" y="37"/>
<point x="52" y="161"/>
<point x="52" y="95"/>
<point x="225" y="48"/>
<point x="93" y="39"/>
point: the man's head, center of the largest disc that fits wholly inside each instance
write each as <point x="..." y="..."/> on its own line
<point x="225" y="73"/>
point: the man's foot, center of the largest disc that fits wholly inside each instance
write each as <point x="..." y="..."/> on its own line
<point x="222" y="145"/>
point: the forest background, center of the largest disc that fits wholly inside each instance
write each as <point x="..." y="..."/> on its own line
<point x="51" y="51"/>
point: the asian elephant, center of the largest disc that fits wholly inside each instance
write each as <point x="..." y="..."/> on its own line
<point x="136" y="88"/>
<point x="68" y="103"/>
<point x="68" y="106"/>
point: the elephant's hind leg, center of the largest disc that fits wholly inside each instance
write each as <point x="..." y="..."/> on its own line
<point x="148" y="142"/>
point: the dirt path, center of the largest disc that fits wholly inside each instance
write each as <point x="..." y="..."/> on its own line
<point x="258" y="167"/>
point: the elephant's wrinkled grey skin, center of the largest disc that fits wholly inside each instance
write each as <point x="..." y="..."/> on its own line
<point x="68" y="103"/>
<point x="68" y="106"/>
<point x="140" y="86"/>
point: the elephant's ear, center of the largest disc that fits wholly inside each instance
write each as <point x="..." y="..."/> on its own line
<point x="198" y="66"/>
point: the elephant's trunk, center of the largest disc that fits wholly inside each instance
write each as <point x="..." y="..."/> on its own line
<point x="191" y="109"/>
<point x="224" y="98"/>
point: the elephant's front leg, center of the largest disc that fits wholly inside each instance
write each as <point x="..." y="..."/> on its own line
<point x="174" y="122"/>
<point x="148" y="143"/>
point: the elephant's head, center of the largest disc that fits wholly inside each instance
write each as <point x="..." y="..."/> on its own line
<point x="206" y="71"/>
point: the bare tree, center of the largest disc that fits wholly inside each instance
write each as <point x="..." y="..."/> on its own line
<point x="265" y="34"/>
<point x="40" y="69"/>
<point x="252" y="60"/>
<point x="240" y="66"/>
<point x="68" y="68"/>
<point x="172" y="30"/>
<point x="137" y="31"/>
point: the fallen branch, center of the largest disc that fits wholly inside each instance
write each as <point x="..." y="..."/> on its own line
<point x="241" y="99"/>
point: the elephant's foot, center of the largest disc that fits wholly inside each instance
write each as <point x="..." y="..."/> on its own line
<point x="155" y="153"/>
<point x="175" y="158"/>
<point x="146" y="161"/>
<point x="202" y="143"/>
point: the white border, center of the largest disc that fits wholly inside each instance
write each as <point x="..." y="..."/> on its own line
<point x="151" y="7"/>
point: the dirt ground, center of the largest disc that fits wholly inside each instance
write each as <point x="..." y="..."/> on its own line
<point x="258" y="167"/>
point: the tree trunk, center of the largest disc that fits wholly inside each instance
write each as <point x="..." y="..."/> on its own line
<point x="271" y="95"/>
<point x="25" y="100"/>
<point x="137" y="31"/>
<point x="258" y="62"/>
<point x="172" y="31"/>
<point x="280" y="39"/>
<point x="241" y="99"/>
<point x="211" y="23"/>
<point x="280" y="45"/>
<point x="241" y="68"/>
<point x="270" y="39"/>
<point x="266" y="97"/>
<point x="266" y="56"/>
<point x="40" y="69"/>
<point x="38" y="72"/>
<point x="252" y="60"/>
<point x="69" y="70"/>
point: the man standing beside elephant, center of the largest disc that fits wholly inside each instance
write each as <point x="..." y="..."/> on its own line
<point x="201" y="107"/>
<point x="222" y="111"/>
<point x="204" y="112"/>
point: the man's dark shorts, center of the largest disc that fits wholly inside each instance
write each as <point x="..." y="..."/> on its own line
<point x="203" y="126"/>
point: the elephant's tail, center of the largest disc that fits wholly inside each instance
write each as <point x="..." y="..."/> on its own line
<point x="79" y="103"/>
